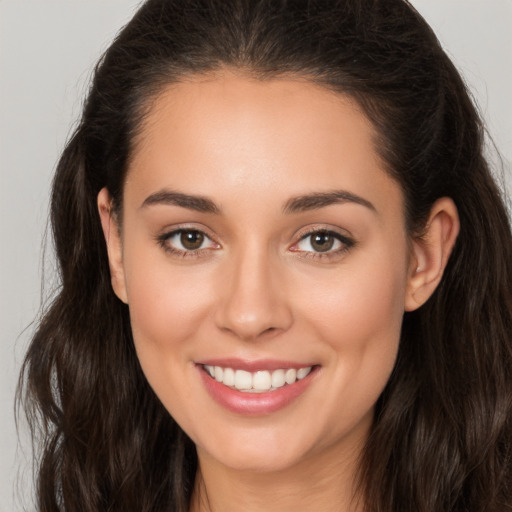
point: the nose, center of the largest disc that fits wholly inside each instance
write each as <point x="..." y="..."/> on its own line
<point x="254" y="301"/>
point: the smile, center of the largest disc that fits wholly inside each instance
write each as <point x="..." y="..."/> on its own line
<point x="256" y="382"/>
<point x="255" y="388"/>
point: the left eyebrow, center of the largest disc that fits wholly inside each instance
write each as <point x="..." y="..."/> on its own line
<point x="319" y="200"/>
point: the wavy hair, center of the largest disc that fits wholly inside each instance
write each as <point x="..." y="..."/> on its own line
<point x="442" y="433"/>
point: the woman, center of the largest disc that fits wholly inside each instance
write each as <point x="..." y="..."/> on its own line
<point x="286" y="272"/>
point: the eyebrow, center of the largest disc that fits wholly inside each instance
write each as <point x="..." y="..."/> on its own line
<point x="297" y="204"/>
<point x="319" y="200"/>
<point x="167" y="197"/>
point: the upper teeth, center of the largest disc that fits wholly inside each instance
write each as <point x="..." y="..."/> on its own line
<point x="256" y="382"/>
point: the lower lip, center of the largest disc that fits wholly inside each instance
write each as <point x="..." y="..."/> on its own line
<point x="255" y="404"/>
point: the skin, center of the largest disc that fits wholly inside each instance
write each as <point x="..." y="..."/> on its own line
<point x="258" y="290"/>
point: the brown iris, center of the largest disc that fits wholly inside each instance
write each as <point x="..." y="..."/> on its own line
<point x="322" y="241"/>
<point x="191" y="240"/>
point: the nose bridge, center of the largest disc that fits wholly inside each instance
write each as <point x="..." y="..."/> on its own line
<point x="254" y="300"/>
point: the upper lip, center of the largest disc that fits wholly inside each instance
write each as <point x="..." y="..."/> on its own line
<point x="254" y="365"/>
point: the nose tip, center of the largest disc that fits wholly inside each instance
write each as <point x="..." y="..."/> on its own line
<point x="250" y="327"/>
<point x="254" y="304"/>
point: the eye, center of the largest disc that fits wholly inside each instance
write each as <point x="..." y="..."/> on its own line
<point x="183" y="241"/>
<point x="322" y="242"/>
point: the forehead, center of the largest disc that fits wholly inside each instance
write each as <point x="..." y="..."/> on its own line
<point x="210" y="135"/>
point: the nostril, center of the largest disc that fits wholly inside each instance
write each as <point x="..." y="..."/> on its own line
<point x="252" y="305"/>
<point x="251" y="333"/>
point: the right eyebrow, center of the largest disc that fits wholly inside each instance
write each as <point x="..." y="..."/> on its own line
<point x="191" y="202"/>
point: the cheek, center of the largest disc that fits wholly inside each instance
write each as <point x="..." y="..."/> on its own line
<point x="359" y="298"/>
<point x="358" y="315"/>
<point x="166" y="307"/>
<point x="167" y="303"/>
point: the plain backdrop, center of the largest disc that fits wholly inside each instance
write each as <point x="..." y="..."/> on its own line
<point x="47" y="50"/>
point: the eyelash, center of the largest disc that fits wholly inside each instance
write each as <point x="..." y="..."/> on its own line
<point x="346" y="244"/>
<point x="164" y="241"/>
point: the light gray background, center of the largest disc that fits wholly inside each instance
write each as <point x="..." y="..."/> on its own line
<point x="47" y="50"/>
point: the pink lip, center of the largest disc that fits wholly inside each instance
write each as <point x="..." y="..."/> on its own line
<point x="254" y="404"/>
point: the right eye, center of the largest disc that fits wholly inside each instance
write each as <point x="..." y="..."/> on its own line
<point x="187" y="241"/>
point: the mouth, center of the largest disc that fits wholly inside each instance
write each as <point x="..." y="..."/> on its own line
<point x="261" y="381"/>
<point x="256" y="388"/>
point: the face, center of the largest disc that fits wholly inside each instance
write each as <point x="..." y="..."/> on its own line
<point x="265" y="262"/>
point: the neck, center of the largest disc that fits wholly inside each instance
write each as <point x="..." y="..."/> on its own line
<point x="326" y="481"/>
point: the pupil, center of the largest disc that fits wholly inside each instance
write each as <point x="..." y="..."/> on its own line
<point x="191" y="239"/>
<point x="322" y="242"/>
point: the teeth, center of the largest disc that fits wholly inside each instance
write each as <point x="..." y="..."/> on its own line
<point x="278" y="379"/>
<point x="302" y="372"/>
<point x="229" y="377"/>
<point x="290" y="376"/>
<point x="257" y="382"/>
<point x="262" y="381"/>
<point x="243" y="380"/>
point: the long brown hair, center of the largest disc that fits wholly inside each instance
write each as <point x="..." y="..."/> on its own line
<point x="442" y="435"/>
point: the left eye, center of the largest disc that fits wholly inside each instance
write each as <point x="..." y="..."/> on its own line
<point x="188" y="240"/>
<point x="320" y="241"/>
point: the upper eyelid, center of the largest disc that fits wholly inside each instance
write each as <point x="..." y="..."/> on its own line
<point x="164" y="241"/>
<point x="342" y="234"/>
<point x="164" y="237"/>
<point x="168" y="232"/>
<point x="346" y="239"/>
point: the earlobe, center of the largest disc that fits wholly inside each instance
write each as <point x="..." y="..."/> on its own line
<point x="114" y="246"/>
<point x="430" y="253"/>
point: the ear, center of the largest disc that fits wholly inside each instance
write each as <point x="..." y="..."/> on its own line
<point x="114" y="246"/>
<point x="430" y="253"/>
